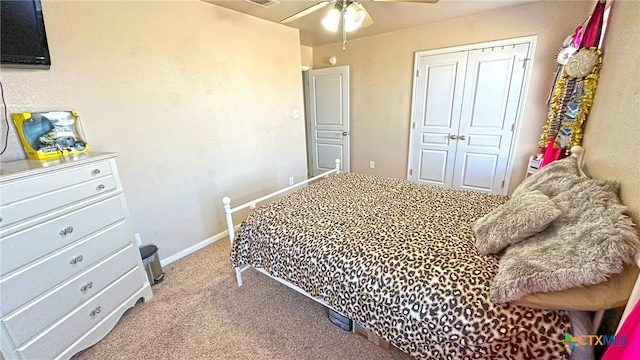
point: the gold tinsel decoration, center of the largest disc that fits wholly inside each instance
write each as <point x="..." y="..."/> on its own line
<point x="562" y="90"/>
<point x="586" y="101"/>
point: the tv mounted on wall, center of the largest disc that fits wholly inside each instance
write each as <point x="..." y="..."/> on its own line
<point x="23" y="41"/>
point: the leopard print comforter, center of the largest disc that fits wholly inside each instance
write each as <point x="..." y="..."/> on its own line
<point x="399" y="258"/>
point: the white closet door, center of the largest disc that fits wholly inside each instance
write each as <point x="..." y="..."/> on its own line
<point x="437" y="103"/>
<point x="492" y="94"/>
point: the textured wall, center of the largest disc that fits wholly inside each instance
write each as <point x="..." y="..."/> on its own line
<point x="306" y="52"/>
<point x="196" y="99"/>
<point x="382" y="76"/>
<point x="612" y="134"/>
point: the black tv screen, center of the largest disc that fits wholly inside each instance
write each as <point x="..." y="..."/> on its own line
<point x="23" y="41"/>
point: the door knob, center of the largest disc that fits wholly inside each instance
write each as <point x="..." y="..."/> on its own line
<point x="453" y="136"/>
<point x="462" y="137"/>
<point x="344" y="133"/>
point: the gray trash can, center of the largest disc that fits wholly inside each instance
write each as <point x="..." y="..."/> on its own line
<point x="151" y="263"/>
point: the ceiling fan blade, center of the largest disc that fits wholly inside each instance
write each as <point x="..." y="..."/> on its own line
<point x="411" y="1"/>
<point x="368" y="20"/>
<point x="306" y="11"/>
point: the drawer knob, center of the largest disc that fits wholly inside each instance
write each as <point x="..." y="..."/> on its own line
<point x="101" y="187"/>
<point x="96" y="172"/>
<point x="76" y="260"/>
<point x="86" y="286"/>
<point x="67" y="230"/>
<point x="95" y="311"/>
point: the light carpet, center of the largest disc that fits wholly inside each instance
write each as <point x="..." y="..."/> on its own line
<point x="199" y="312"/>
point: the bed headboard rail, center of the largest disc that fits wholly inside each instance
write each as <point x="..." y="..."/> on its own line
<point x="578" y="152"/>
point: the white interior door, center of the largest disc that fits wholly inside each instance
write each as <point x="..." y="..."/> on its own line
<point x="491" y="100"/>
<point x="436" y="117"/>
<point x="328" y="114"/>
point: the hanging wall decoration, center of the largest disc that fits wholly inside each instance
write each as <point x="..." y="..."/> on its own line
<point x="579" y="63"/>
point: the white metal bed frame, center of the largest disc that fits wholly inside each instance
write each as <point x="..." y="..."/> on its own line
<point x="576" y="151"/>
<point x="252" y="205"/>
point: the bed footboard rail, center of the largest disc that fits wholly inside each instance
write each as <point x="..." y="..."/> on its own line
<point x="228" y="211"/>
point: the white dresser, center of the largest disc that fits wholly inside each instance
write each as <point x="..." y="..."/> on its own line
<point x="69" y="266"/>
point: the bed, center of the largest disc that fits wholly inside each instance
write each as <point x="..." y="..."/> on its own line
<point x="399" y="258"/>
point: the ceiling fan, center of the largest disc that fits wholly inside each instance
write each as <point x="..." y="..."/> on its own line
<point x="351" y="14"/>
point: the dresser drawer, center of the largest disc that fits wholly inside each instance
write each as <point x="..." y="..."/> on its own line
<point x="18" y="190"/>
<point x="37" y="316"/>
<point x="24" y="286"/>
<point x="31" y="207"/>
<point x="21" y="248"/>
<point x="66" y="331"/>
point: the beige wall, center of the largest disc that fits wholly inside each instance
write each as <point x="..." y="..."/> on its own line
<point x="612" y="134"/>
<point x="306" y="52"/>
<point x="196" y="99"/>
<point x="382" y="67"/>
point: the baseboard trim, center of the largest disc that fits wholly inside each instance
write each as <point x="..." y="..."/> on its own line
<point x="196" y="247"/>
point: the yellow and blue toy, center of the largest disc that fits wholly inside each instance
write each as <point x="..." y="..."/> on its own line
<point x="49" y="135"/>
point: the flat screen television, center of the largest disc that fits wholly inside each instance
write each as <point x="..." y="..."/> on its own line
<point x="23" y="41"/>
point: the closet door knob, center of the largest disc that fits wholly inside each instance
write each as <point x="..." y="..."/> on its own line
<point x="453" y="136"/>
<point x="462" y="137"/>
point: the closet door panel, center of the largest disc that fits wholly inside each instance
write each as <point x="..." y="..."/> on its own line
<point x="491" y="100"/>
<point x="436" y="114"/>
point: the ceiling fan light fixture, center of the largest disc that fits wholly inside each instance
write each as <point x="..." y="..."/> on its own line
<point x="354" y="17"/>
<point x="332" y="20"/>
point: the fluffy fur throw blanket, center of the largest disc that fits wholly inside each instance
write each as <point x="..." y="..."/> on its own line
<point x="591" y="239"/>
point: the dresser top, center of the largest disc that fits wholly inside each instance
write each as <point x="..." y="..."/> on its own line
<point x="15" y="169"/>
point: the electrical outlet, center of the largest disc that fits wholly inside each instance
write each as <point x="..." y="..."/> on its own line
<point x="291" y="180"/>
<point x="372" y="165"/>
<point x="296" y="114"/>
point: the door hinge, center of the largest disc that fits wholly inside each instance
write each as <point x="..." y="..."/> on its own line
<point x="413" y="126"/>
<point x="524" y="62"/>
<point x="417" y="73"/>
<point x="410" y="171"/>
<point x="513" y="126"/>
<point x="502" y="184"/>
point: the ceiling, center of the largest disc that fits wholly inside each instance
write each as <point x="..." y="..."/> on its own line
<point x="388" y="16"/>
